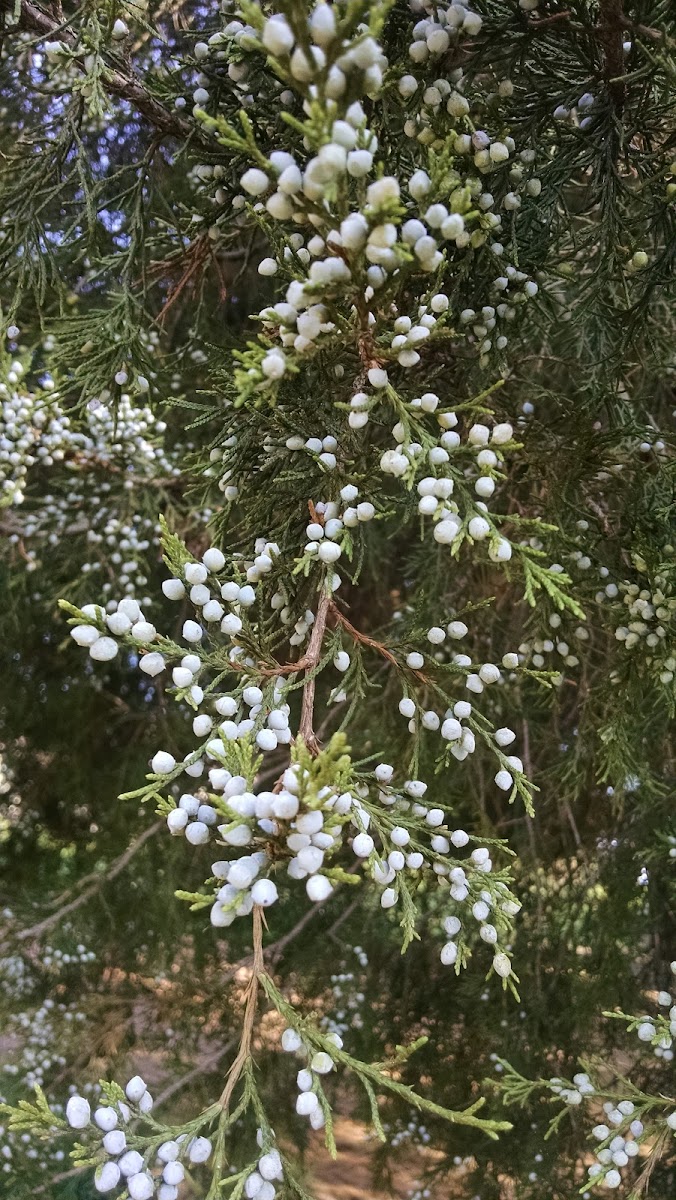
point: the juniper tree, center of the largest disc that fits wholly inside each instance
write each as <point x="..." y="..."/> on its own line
<point x="337" y="412"/>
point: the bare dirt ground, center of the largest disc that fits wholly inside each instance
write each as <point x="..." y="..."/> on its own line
<point x="350" y="1175"/>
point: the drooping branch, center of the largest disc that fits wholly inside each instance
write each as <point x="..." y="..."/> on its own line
<point x="119" y="83"/>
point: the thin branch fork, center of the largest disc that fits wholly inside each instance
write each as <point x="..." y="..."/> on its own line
<point x="116" y="867"/>
<point x="364" y="639"/>
<point x="120" y="83"/>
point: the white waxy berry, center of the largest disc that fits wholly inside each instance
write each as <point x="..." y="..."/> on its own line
<point x="270" y="1165"/>
<point x="231" y="624"/>
<point x="446" y="531"/>
<point x="400" y="836"/>
<point x="363" y="845"/>
<point x="212" y="610"/>
<point x="141" y="1186"/>
<point x="182" y="677"/>
<point x="173" y="589"/>
<point x="502" y="433"/>
<point x="255" y="182"/>
<point x="115" y="1142"/>
<point x="152" y="664"/>
<point x="192" y="632"/>
<point x="104" y="649"/>
<point x="478" y="528"/>
<point x="451" y="729"/>
<point x="85" y="635"/>
<point x="457" y="630"/>
<point x="504" y="780"/>
<point x="277" y="35"/>
<point x="318" y="888"/>
<point x="213" y="559"/>
<point x="162" y="763"/>
<point x="267" y="739"/>
<point x="107" y="1177"/>
<point x="502" y="966"/>
<point x="173" y="1173"/>
<point x="135" y="1089"/>
<point x="489" y="673"/>
<point x="78" y="1112"/>
<point x="105" y="1118"/>
<point x="291" y="1041"/>
<point x="168" y="1151"/>
<point x="131" y="1163"/>
<point x="197" y="833"/>
<point x="484" y="487"/>
<point x="384" y="772"/>
<point x="435" y="818"/>
<point x="143" y="631"/>
<point x="504" y="736"/>
<point x="264" y="892"/>
<point x="253" y="1185"/>
<point x="195" y="573"/>
<point x="118" y="624"/>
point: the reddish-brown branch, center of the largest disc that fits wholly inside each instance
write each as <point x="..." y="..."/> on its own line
<point x="365" y="640"/>
<point x="611" y="28"/>
<point x="196" y="257"/>
<point x="540" y="21"/>
<point x="362" y="638"/>
<point x="119" y="83"/>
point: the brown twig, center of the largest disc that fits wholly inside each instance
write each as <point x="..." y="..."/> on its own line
<point x="195" y="257"/>
<point x="365" y="640"/>
<point x="244" y="1052"/>
<point x="540" y="21"/>
<point x="116" y="867"/>
<point x="362" y="638"/>
<point x="312" y="658"/>
<point x="610" y="29"/>
<point x="209" y="1063"/>
<point x="274" y="952"/>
